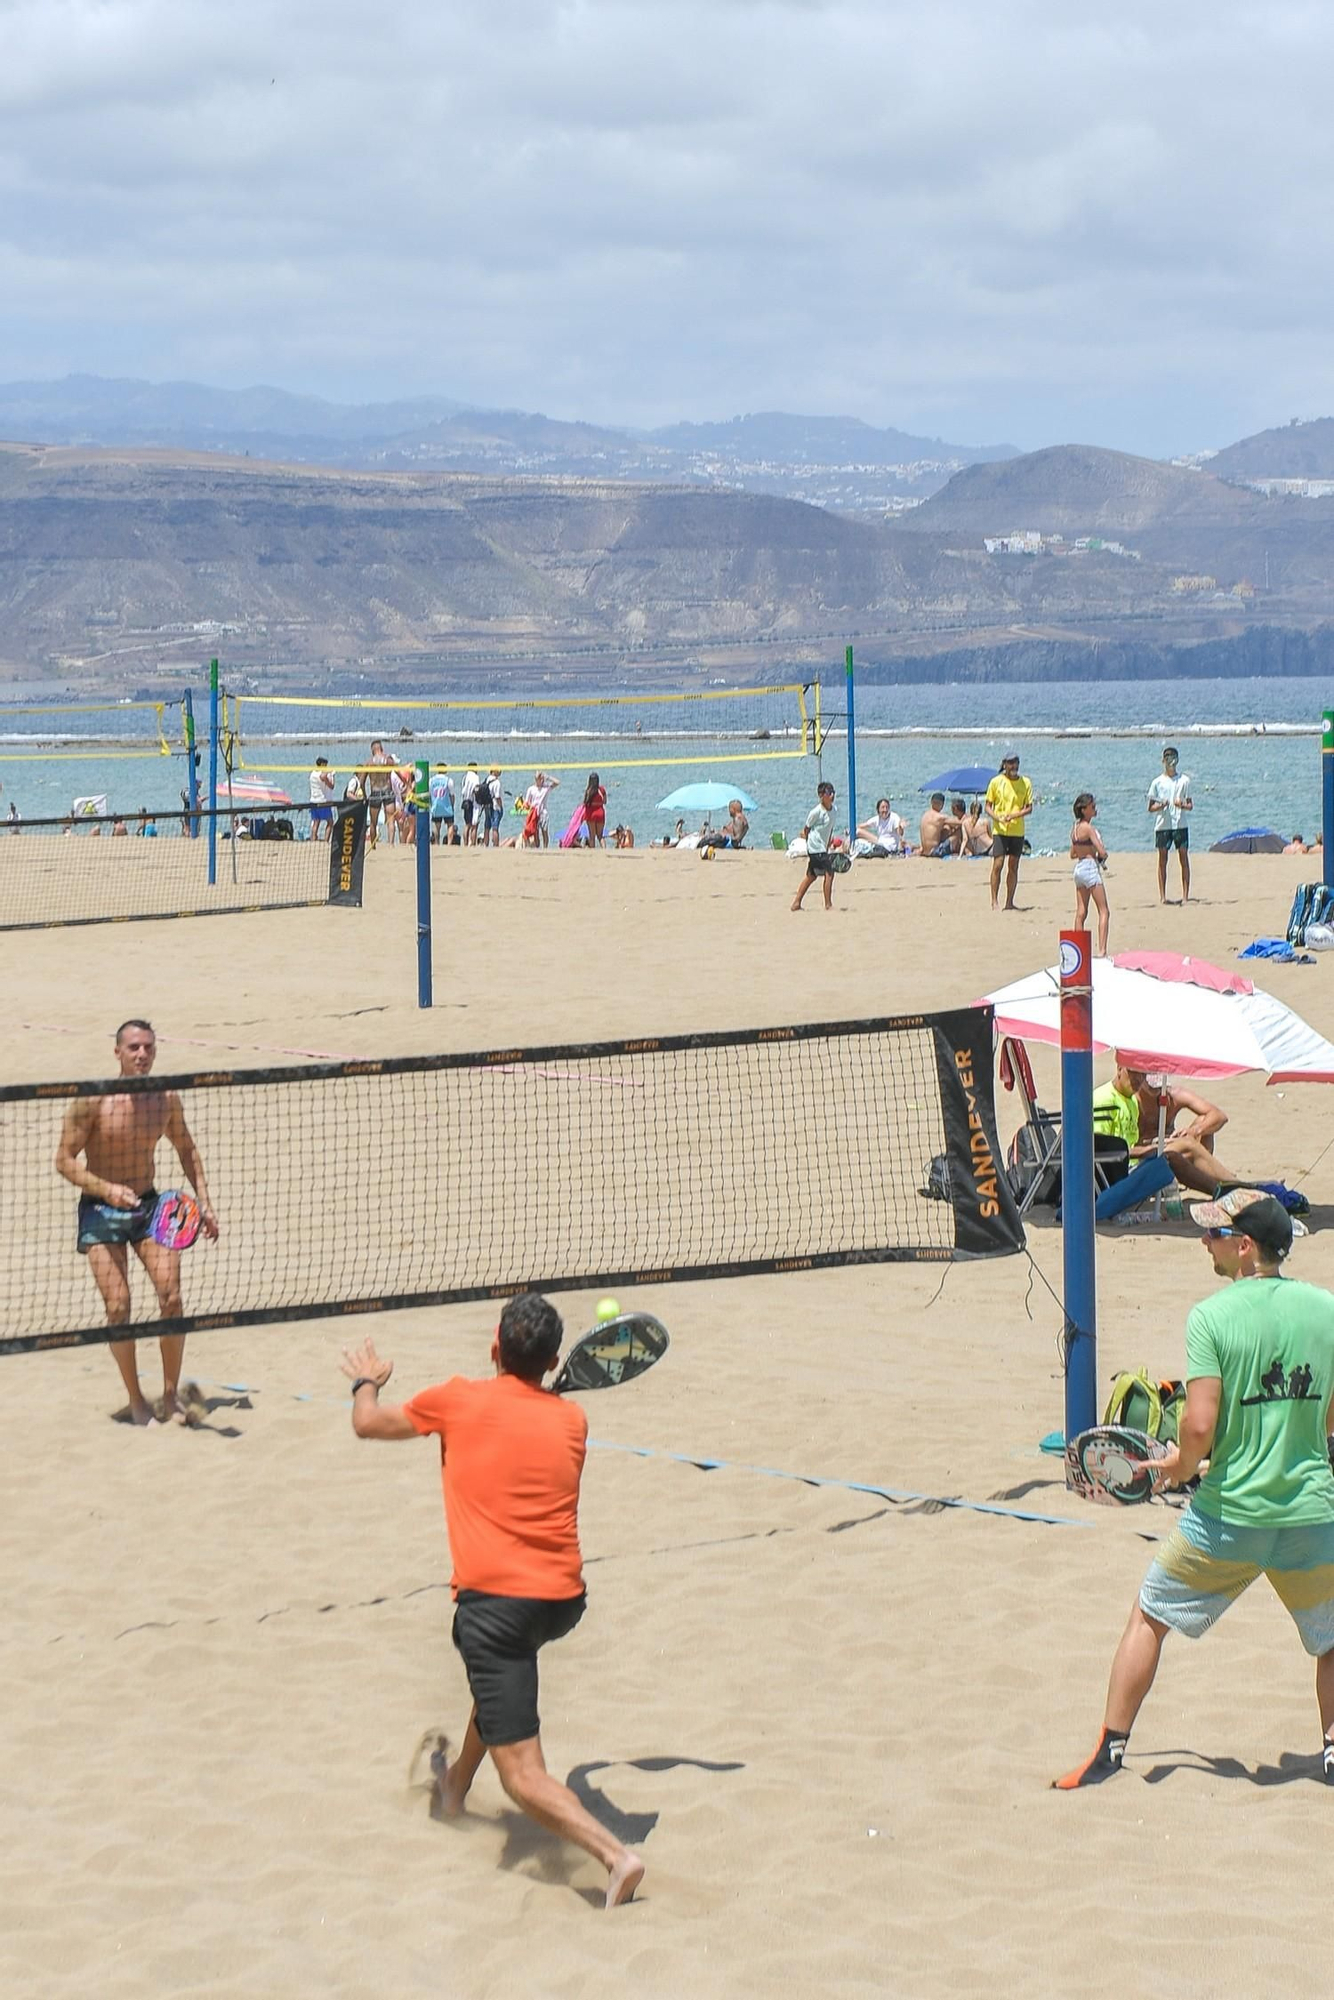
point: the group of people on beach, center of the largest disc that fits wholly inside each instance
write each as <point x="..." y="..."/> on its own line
<point x="995" y="828"/>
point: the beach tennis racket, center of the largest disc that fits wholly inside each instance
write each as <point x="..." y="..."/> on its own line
<point x="840" y="860"/>
<point x="1111" y="1463"/>
<point x="612" y="1353"/>
<point x="176" y="1220"/>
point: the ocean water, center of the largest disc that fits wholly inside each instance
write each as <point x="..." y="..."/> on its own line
<point x="1251" y="748"/>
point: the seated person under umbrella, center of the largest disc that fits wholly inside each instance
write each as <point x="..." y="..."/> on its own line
<point x="732" y="831"/>
<point x="1128" y="1107"/>
<point x="939" y="832"/>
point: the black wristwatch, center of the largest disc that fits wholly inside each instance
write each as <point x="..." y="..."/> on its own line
<point x="365" y="1382"/>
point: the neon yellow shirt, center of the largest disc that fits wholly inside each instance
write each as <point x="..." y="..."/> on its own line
<point x="1115" y="1114"/>
<point x="1005" y="800"/>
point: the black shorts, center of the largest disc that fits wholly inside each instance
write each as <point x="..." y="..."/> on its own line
<point x="1165" y="837"/>
<point x="99" y="1222"/>
<point x="499" y="1639"/>
<point x="819" y="864"/>
<point x="1008" y="843"/>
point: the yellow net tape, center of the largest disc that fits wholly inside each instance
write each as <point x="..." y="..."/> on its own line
<point x="69" y="713"/>
<point x="797" y="737"/>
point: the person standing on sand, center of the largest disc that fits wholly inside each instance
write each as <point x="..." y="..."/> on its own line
<point x="1008" y="802"/>
<point x="1088" y="854"/>
<point x="819" y="860"/>
<point x="512" y="1457"/>
<point x="117" y="1136"/>
<point x="1259" y="1406"/>
<point x="1169" y="799"/>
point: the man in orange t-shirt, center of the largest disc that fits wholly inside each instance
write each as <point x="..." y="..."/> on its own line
<point x="511" y="1458"/>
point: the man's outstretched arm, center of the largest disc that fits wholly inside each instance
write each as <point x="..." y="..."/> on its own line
<point x="370" y="1417"/>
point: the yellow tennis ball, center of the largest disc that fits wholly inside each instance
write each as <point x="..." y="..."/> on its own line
<point x="608" y="1309"/>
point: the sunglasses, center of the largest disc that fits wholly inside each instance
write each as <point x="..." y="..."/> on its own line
<point x="1212" y="1234"/>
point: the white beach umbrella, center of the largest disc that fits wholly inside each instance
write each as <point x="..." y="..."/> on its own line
<point x="1179" y="1015"/>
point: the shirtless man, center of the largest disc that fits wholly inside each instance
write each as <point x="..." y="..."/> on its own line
<point x="938" y="828"/>
<point x="118" y="1136"/>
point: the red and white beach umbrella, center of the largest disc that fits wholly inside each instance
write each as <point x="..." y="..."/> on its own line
<point x="1163" y="1011"/>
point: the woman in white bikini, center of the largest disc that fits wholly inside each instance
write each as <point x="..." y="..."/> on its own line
<point x="1088" y="854"/>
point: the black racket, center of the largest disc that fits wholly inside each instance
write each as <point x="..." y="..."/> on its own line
<point x="612" y="1353"/>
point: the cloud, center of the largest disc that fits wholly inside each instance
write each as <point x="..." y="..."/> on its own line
<point x="992" y="221"/>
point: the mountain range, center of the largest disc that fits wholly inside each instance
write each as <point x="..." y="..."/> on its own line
<point x="122" y="564"/>
<point x="831" y="460"/>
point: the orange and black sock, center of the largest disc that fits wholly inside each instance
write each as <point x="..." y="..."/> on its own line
<point x="1106" y="1762"/>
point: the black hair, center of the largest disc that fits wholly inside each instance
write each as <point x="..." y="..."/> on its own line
<point x="937" y="800"/>
<point x="1084" y="799"/>
<point x="147" y="1027"/>
<point x="530" y="1336"/>
<point x="1169" y="751"/>
<point x="591" y="790"/>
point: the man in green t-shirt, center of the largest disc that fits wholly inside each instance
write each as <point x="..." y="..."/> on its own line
<point x="1259" y="1407"/>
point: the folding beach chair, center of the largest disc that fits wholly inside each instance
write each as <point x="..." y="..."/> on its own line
<point x="1033" y="1163"/>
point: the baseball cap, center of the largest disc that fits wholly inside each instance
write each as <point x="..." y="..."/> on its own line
<point x="1252" y="1214"/>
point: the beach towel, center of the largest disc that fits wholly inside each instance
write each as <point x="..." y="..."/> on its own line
<point x="571" y="833"/>
<point x="1278" y="948"/>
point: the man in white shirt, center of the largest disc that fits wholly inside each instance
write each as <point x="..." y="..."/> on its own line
<point x="535" y="798"/>
<point x="468" y="801"/>
<point x="321" y="793"/>
<point x="1169" y="799"/>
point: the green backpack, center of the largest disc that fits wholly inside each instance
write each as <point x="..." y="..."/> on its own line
<point x="1142" y="1405"/>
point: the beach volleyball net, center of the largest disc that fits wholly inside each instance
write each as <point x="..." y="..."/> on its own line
<point x="89" y="732"/>
<point x="366" y="1186"/>
<point x="276" y="733"/>
<point x="103" y="868"/>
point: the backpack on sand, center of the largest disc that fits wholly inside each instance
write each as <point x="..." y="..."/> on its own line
<point x="1142" y="1405"/>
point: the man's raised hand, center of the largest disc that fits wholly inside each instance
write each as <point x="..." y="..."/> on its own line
<point x="364" y="1361"/>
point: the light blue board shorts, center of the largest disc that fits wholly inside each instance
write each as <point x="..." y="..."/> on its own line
<point x="1206" y="1564"/>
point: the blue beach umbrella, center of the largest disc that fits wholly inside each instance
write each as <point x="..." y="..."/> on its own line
<point x="967" y="778"/>
<point x="705" y="796"/>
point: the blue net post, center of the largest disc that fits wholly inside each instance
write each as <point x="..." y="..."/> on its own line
<point x="192" y="780"/>
<point x="212" y="772"/>
<point x="852" y="745"/>
<point x="422" y="802"/>
<point x="1327" y="781"/>
<point x="1079" y="1252"/>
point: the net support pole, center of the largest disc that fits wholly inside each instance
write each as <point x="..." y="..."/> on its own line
<point x="422" y="802"/>
<point x="192" y="780"/>
<point x="852" y="745"/>
<point x="212" y="773"/>
<point x="1079" y="1252"/>
<point x="1327" y="779"/>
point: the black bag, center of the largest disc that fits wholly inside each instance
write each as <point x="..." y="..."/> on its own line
<point x="938" y="1180"/>
<point x="481" y="798"/>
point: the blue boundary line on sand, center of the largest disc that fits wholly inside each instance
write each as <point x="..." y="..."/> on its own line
<point x="843" y="1485"/>
<point x="759" y="1471"/>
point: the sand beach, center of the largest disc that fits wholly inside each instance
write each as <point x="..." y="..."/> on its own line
<point x="828" y="1718"/>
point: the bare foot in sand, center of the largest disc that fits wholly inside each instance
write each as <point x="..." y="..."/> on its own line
<point x="450" y="1794"/>
<point x="623" y="1878"/>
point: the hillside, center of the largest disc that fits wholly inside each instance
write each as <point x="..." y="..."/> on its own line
<point x="115" y="566"/>
<point x="1292" y="451"/>
<point x="131" y="554"/>
<point x="1079" y="489"/>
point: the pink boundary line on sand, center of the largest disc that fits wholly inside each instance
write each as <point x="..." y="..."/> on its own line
<point x="195" y="1042"/>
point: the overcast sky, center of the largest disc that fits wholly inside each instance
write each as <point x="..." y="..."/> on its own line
<point x="987" y="219"/>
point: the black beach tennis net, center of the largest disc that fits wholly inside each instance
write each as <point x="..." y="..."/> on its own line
<point x="364" y="1186"/>
<point x="119" y="868"/>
